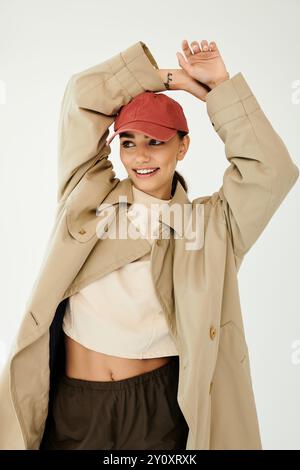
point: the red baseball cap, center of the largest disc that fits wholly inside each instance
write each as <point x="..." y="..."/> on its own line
<point x="155" y="114"/>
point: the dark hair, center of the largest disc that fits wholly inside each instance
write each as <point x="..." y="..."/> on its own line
<point x="177" y="176"/>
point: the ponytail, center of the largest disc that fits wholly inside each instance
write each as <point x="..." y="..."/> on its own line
<point x="178" y="177"/>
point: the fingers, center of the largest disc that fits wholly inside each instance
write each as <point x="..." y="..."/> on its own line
<point x="213" y="46"/>
<point x="181" y="60"/>
<point x="195" y="47"/>
<point x="186" y="48"/>
<point x="204" y="45"/>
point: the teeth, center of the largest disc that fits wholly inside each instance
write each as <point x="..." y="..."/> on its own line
<point x="145" y="171"/>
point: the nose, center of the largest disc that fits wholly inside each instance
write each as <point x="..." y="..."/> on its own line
<point x="143" y="156"/>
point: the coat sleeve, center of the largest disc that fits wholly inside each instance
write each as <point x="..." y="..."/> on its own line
<point x="89" y="105"/>
<point x="261" y="171"/>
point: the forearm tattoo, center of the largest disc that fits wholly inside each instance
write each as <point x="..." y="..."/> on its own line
<point x="169" y="79"/>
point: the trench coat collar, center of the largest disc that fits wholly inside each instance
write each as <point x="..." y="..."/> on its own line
<point x="175" y="218"/>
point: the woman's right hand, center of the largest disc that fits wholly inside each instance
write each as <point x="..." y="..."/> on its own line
<point x="204" y="63"/>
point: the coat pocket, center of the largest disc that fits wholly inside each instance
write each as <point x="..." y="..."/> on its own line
<point x="79" y="220"/>
<point x="82" y="204"/>
<point x="29" y="328"/>
<point x="233" y="342"/>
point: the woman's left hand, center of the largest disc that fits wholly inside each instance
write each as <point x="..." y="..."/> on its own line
<point x="203" y="63"/>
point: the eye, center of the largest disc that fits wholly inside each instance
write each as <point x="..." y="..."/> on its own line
<point x="125" y="142"/>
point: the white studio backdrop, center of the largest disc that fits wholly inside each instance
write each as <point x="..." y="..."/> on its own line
<point x="42" y="43"/>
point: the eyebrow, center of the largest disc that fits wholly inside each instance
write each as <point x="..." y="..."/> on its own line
<point x="128" y="134"/>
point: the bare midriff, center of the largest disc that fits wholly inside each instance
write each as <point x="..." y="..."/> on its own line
<point x="85" y="364"/>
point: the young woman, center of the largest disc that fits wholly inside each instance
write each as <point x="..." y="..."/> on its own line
<point x="114" y="328"/>
<point x="137" y="342"/>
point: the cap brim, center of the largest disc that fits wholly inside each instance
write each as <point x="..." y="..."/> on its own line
<point x="148" y="128"/>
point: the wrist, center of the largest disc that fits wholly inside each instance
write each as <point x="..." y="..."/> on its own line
<point x="214" y="83"/>
<point x="172" y="78"/>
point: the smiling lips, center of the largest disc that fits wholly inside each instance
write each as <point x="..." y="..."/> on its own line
<point x="145" y="172"/>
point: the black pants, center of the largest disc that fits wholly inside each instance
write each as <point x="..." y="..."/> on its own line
<point x="140" y="412"/>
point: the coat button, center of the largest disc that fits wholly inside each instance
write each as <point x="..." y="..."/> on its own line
<point x="210" y="386"/>
<point x="82" y="231"/>
<point x="158" y="242"/>
<point x="212" y="332"/>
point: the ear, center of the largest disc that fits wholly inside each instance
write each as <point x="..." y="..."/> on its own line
<point x="183" y="147"/>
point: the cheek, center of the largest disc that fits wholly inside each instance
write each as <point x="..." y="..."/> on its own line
<point x="124" y="159"/>
<point x="170" y="161"/>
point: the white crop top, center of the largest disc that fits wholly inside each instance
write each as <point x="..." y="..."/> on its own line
<point x="119" y="314"/>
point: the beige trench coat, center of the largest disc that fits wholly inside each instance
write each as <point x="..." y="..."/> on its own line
<point x="197" y="288"/>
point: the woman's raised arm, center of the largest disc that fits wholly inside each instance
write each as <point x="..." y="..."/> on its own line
<point x="89" y="105"/>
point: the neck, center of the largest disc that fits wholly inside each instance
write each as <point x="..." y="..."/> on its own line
<point x="164" y="194"/>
